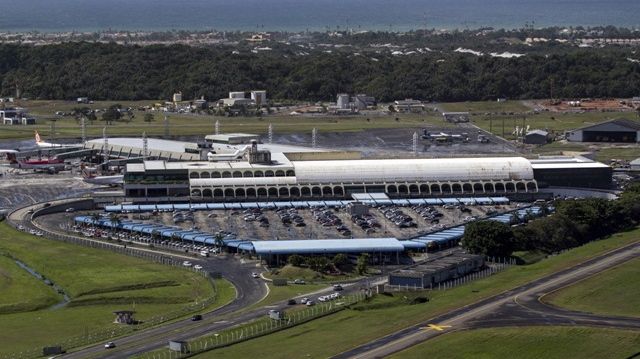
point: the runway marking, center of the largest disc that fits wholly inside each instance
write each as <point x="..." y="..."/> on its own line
<point x="436" y="327"/>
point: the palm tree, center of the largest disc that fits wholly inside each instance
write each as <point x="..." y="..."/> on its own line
<point x="218" y="242"/>
<point x="115" y="222"/>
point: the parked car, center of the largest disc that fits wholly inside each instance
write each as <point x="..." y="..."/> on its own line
<point x="310" y="303"/>
<point x="304" y="300"/>
<point x="299" y="281"/>
<point x="110" y="345"/>
<point x="337" y="287"/>
<point x="255" y="275"/>
<point x="197" y="267"/>
<point x="292" y="302"/>
<point x="187" y="264"/>
<point x="196" y="317"/>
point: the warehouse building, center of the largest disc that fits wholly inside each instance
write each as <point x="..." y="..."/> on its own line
<point x="620" y="130"/>
<point x="426" y="275"/>
<point x="575" y="172"/>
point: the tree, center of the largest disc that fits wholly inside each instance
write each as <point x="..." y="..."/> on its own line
<point x="295" y="260"/>
<point x="340" y="259"/>
<point x="217" y="240"/>
<point x="362" y="264"/>
<point x="318" y="264"/>
<point x="148" y="117"/>
<point x="111" y="114"/>
<point x="490" y="238"/>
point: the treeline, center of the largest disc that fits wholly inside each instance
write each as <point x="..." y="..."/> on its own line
<point x="574" y="223"/>
<point x="114" y="72"/>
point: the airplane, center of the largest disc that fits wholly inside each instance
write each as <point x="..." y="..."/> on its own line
<point x="52" y="164"/>
<point x="40" y="143"/>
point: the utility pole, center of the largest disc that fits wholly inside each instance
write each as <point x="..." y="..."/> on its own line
<point x="314" y="135"/>
<point x="217" y="127"/>
<point x="145" y="145"/>
<point x="270" y="134"/>
<point x="166" y="126"/>
<point x="415" y="143"/>
<point x="83" y="129"/>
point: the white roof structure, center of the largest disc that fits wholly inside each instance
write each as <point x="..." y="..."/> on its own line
<point x="154" y="144"/>
<point x="403" y="170"/>
<point x="328" y="246"/>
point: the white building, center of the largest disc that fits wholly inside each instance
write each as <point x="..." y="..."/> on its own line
<point x="259" y="97"/>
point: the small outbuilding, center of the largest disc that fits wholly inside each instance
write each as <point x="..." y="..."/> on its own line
<point x="536" y="137"/>
<point x="635" y="164"/>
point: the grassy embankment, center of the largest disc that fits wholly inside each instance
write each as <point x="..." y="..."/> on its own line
<point x="351" y="327"/>
<point x="98" y="283"/>
<point x="529" y="343"/>
<point x="613" y="292"/>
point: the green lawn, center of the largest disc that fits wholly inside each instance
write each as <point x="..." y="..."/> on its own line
<point x="484" y="106"/>
<point x="20" y="291"/>
<point x="613" y="292"/>
<point x="280" y="293"/>
<point x="531" y="342"/>
<point x="186" y="124"/>
<point x="351" y="327"/>
<point x="621" y="153"/>
<point x="98" y="282"/>
<point x="290" y="272"/>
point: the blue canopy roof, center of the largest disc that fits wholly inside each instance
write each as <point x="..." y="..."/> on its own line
<point x="317" y="246"/>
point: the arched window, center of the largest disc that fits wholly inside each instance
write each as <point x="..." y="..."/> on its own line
<point x="258" y="174"/>
<point x="499" y="187"/>
<point x="521" y="187"/>
<point x="337" y="191"/>
<point x="456" y="188"/>
<point x="306" y="192"/>
<point x="294" y="191"/>
<point x="290" y="173"/>
<point x="268" y="174"/>
<point x="240" y="192"/>
<point x="279" y="173"/>
<point x="273" y="192"/>
<point x="194" y="175"/>
<point x="207" y="193"/>
<point x="197" y="193"/>
<point x="229" y="192"/>
<point x="215" y="174"/>
<point x="446" y="188"/>
<point x="414" y="189"/>
<point x="477" y="187"/>
<point x="247" y="174"/>
<point x="283" y="191"/>
<point x="327" y="191"/>
<point x="237" y="174"/>
<point x="510" y="187"/>
<point x="467" y="188"/>
<point x="392" y="189"/>
<point x="531" y="186"/>
<point x="205" y="175"/>
<point x="218" y="193"/>
<point x="436" y="188"/>
<point x="316" y="191"/>
<point x="403" y="189"/>
<point x="226" y="174"/>
<point x="424" y="189"/>
<point x="251" y="192"/>
<point x="488" y="187"/>
<point x="262" y="192"/>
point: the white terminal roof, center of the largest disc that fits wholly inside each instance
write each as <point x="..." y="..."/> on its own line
<point x="559" y="162"/>
<point x="401" y="170"/>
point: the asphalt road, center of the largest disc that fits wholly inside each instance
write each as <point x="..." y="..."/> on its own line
<point x="520" y="306"/>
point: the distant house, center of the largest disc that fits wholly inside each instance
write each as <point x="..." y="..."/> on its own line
<point x="635" y="164"/>
<point x="408" y="105"/>
<point x="620" y="130"/>
<point x="201" y="103"/>
<point x="536" y="137"/>
<point x="16" y="116"/>
<point x="82" y="100"/>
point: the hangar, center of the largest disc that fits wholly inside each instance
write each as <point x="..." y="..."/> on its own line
<point x="619" y="130"/>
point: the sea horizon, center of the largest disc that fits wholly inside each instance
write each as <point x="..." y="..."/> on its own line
<point x="306" y="15"/>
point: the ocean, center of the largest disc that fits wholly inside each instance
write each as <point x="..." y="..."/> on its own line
<point x="314" y="15"/>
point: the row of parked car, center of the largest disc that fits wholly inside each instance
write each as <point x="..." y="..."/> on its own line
<point x="255" y="214"/>
<point x="327" y="218"/>
<point x="182" y="216"/>
<point x="366" y="222"/>
<point x="398" y="217"/>
<point x="290" y="216"/>
<point x="428" y="213"/>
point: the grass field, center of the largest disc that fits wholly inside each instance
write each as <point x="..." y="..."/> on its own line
<point x="351" y="327"/>
<point x="484" y="106"/>
<point x="613" y="292"/>
<point x="529" y="343"/>
<point x="290" y="272"/>
<point x="189" y="124"/>
<point x="98" y="283"/>
<point x="280" y="293"/>
<point x="21" y="291"/>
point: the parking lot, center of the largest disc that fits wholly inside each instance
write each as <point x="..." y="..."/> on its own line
<point x="322" y="222"/>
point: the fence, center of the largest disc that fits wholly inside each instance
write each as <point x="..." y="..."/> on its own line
<point x="257" y="328"/>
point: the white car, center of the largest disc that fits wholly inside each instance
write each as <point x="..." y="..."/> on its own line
<point x="255" y="275"/>
<point x="304" y="300"/>
<point x="197" y="267"/>
<point x="322" y="299"/>
<point x="310" y="303"/>
<point x="187" y="264"/>
<point x="110" y="345"/>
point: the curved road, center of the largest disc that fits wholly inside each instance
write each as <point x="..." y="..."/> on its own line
<point x="520" y="306"/>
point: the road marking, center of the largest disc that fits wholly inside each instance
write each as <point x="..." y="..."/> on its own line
<point x="436" y="327"/>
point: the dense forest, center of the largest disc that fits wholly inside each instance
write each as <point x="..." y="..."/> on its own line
<point x="117" y="72"/>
